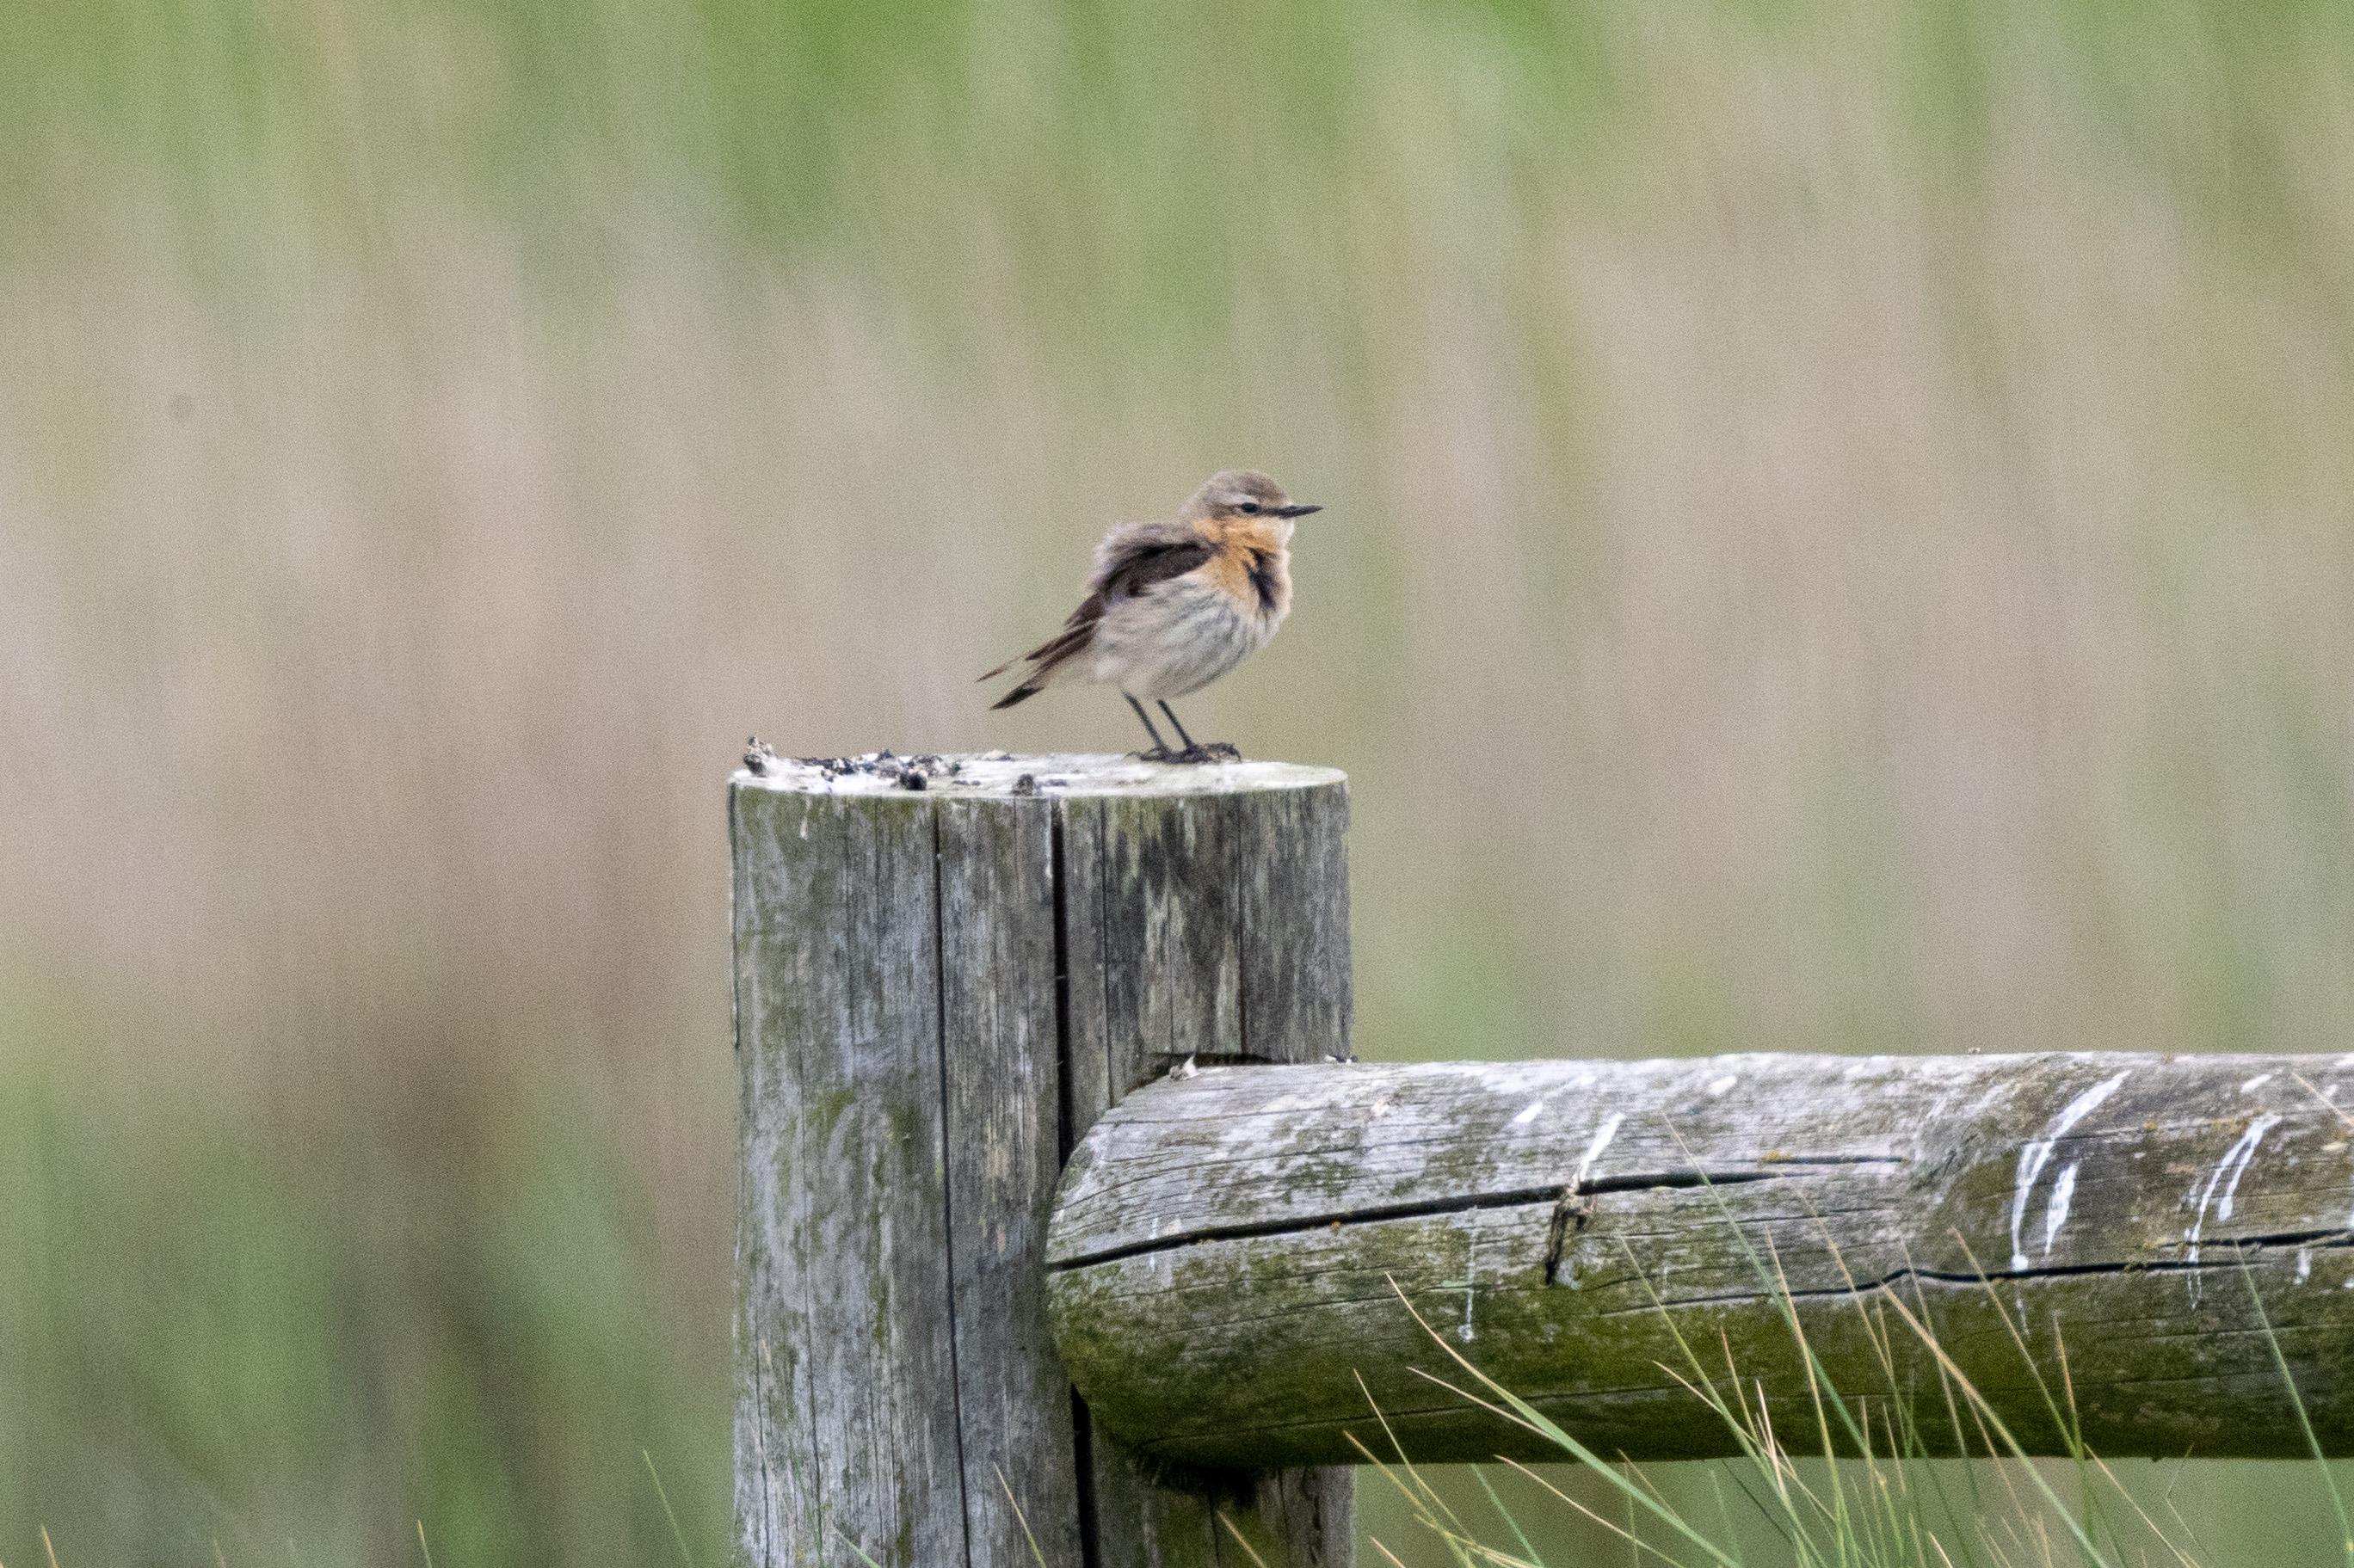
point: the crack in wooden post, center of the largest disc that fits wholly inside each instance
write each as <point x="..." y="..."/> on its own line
<point x="1573" y="1208"/>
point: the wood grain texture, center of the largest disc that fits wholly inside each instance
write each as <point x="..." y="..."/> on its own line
<point x="999" y="1054"/>
<point x="1224" y="1250"/>
<point x="1292" y="875"/>
<point x="937" y="990"/>
<point x="1209" y="929"/>
<point x="844" y="1430"/>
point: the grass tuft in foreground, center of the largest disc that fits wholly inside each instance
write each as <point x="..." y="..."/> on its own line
<point x="1864" y="1488"/>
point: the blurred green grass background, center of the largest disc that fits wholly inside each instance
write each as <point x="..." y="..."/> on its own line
<point x="1838" y="538"/>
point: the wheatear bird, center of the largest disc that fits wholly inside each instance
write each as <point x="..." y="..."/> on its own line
<point x="1171" y="607"/>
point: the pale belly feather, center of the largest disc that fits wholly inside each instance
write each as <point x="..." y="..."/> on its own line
<point x="1175" y="640"/>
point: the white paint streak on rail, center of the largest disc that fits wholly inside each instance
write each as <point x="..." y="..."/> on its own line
<point x="2036" y="1153"/>
<point x="2228" y="1171"/>
<point x="2056" y="1214"/>
<point x="1594" y="1150"/>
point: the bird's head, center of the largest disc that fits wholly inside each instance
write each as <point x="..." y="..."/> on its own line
<point x="1241" y="492"/>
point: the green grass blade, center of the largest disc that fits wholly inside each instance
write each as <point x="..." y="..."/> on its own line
<point x="2304" y="1422"/>
<point x="676" y="1532"/>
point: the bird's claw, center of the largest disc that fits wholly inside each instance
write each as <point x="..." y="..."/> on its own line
<point x="1192" y="756"/>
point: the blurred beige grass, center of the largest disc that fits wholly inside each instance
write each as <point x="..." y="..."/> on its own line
<point x="1838" y="539"/>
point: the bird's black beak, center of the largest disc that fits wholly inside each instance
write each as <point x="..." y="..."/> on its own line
<point x="1296" y="511"/>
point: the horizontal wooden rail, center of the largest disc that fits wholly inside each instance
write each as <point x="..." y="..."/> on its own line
<point x="1231" y="1254"/>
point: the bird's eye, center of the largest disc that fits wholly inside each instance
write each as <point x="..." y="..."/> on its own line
<point x="1249" y="506"/>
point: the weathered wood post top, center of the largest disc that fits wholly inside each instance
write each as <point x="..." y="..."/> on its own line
<point x="984" y="775"/>
<point x="947" y="968"/>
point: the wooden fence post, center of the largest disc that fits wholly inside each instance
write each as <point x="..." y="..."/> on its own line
<point x="946" y="971"/>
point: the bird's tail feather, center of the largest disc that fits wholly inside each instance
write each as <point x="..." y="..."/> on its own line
<point x="1044" y="660"/>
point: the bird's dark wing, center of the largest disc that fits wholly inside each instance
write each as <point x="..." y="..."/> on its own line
<point x="1131" y="559"/>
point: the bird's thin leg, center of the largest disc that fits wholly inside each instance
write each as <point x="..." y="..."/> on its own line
<point x="1160" y="752"/>
<point x="1181" y="728"/>
<point x="1216" y="751"/>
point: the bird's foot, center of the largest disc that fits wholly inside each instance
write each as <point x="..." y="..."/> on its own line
<point x="1194" y="755"/>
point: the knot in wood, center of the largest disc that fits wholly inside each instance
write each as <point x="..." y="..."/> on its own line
<point x="1570" y="1213"/>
